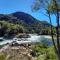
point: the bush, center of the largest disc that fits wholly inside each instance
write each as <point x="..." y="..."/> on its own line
<point x="2" y="56"/>
<point x="45" y="53"/>
<point x="51" y="54"/>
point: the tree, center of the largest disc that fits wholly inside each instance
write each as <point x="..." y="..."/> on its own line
<point x="50" y="8"/>
<point x="55" y="8"/>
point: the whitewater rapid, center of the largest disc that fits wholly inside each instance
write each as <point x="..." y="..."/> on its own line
<point x="33" y="38"/>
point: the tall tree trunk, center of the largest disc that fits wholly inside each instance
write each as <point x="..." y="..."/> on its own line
<point x="57" y="29"/>
<point x="52" y="33"/>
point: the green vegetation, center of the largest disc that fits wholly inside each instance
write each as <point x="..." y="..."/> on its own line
<point x="47" y="30"/>
<point x="50" y="8"/>
<point x="29" y="23"/>
<point x="1" y="46"/>
<point x="41" y="53"/>
<point x="2" y="56"/>
<point x="8" y="29"/>
<point x="44" y="53"/>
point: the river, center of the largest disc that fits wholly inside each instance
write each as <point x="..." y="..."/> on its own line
<point x="45" y="39"/>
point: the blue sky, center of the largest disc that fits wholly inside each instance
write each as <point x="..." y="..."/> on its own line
<point x="10" y="6"/>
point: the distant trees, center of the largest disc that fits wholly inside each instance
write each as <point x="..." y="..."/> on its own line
<point x="7" y="28"/>
<point x="46" y="31"/>
<point x="50" y="7"/>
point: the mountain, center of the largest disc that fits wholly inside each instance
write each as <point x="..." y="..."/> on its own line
<point x="25" y="20"/>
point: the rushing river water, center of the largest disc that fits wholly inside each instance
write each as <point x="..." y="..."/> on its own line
<point x="33" y="38"/>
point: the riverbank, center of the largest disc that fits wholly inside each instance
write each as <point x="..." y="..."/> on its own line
<point x="24" y="52"/>
<point x="18" y="52"/>
<point x="28" y="48"/>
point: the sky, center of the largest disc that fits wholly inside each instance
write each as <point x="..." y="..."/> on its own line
<point x="10" y="6"/>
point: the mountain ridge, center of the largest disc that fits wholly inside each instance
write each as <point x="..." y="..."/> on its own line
<point x="25" y="20"/>
<point x="19" y="15"/>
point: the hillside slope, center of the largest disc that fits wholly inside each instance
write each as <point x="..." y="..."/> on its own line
<point x="26" y="20"/>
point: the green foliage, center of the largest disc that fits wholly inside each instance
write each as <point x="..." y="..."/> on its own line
<point x="53" y="7"/>
<point x="54" y="30"/>
<point x="9" y="28"/>
<point x="2" y="56"/>
<point x="1" y="46"/>
<point x="39" y="48"/>
<point x="46" y="31"/>
<point x="44" y="53"/>
<point x="51" y="54"/>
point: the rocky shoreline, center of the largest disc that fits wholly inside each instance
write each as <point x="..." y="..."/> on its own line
<point x="22" y="52"/>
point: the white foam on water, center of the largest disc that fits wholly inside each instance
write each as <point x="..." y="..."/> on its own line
<point x="33" y="38"/>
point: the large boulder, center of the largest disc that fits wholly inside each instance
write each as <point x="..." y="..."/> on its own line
<point x="23" y="35"/>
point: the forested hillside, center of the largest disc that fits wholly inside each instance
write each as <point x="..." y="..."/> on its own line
<point x="20" y="22"/>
